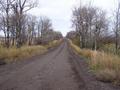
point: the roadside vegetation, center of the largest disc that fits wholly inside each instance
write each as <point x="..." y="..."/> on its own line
<point x="24" y="35"/>
<point x="97" y="38"/>
<point x="105" y="66"/>
<point x="15" y="54"/>
<point x="110" y="48"/>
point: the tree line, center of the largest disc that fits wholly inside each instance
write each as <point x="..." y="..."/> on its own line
<point x="21" y="28"/>
<point x="94" y="27"/>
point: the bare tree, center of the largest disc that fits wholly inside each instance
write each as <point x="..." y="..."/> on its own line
<point x="101" y="26"/>
<point x="3" y="27"/>
<point x="117" y="27"/>
<point x="5" y="6"/>
<point x="46" y="25"/>
<point x="31" y="29"/>
<point x="45" y="31"/>
<point x="78" y="23"/>
<point x="20" y="7"/>
<point x="89" y="23"/>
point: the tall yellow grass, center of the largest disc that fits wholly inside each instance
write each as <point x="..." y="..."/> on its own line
<point x="13" y="54"/>
<point x="106" y="66"/>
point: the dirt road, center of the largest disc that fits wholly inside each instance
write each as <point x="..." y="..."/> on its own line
<point x="59" y="69"/>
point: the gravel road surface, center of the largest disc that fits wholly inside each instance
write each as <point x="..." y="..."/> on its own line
<point x="59" y="69"/>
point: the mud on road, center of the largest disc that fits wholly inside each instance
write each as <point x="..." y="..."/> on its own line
<point x="59" y="69"/>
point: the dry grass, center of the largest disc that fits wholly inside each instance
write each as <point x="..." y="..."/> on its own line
<point x="84" y="52"/>
<point x="106" y="75"/>
<point x="106" y="66"/>
<point x="13" y="54"/>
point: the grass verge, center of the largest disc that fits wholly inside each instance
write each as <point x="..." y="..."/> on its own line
<point x="15" y="54"/>
<point x="105" y="66"/>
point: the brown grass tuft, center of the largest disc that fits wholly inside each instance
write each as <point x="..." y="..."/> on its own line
<point x="106" y="75"/>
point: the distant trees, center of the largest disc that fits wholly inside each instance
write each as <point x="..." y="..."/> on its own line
<point x="90" y="23"/>
<point x="46" y="25"/>
<point x="94" y="28"/>
<point x="21" y="28"/>
<point x="20" y="7"/>
<point x="57" y="35"/>
<point x="13" y="15"/>
<point x="31" y="29"/>
<point x="46" y="32"/>
<point x="5" y="6"/>
<point x="71" y="34"/>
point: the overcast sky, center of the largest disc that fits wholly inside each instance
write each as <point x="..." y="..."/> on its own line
<point x="60" y="11"/>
